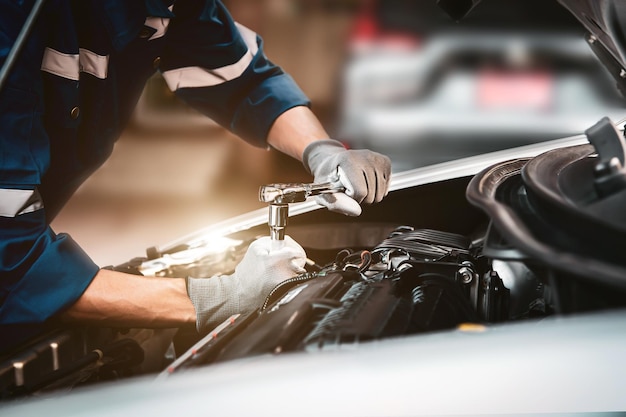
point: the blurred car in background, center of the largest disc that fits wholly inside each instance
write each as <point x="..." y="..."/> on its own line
<point x="423" y="88"/>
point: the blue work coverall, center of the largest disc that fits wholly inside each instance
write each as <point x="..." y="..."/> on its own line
<point x="67" y="100"/>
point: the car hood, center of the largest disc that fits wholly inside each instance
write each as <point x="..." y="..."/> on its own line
<point x="606" y="22"/>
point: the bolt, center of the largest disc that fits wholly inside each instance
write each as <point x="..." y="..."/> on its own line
<point x="466" y="275"/>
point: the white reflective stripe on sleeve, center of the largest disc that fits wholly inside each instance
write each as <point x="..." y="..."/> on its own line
<point x="70" y="65"/>
<point x="189" y="77"/>
<point x="58" y="63"/>
<point x="94" y="64"/>
<point x="16" y="202"/>
<point x="249" y="37"/>
<point x="159" y="24"/>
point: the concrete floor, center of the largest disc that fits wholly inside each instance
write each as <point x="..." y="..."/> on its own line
<point x="158" y="187"/>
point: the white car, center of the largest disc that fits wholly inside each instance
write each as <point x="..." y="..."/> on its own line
<point x="494" y="284"/>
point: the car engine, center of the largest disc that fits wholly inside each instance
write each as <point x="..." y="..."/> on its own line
<point x="414" y="281"/>
<point x="464" y="253"/>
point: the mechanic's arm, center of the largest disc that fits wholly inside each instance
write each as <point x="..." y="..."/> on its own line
<point x="294" y="130"/>
<point x="118" y="299"/>
<point x="260" y="103"/>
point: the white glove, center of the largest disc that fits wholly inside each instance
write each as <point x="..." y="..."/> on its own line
<point x="219" y="297"/>
<point x="364" y="174"/>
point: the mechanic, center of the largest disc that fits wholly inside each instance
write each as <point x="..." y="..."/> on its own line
<point x="66" y="101"/>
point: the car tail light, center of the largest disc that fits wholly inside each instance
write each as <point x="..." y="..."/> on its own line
<point x="367" y="35"/>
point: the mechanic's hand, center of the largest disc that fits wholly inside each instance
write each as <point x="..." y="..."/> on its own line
<point x="364" y="174"/>
<point x="217" y="298"/>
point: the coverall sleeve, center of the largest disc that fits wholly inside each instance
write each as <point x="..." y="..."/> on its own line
<point x="218" y="67"/>
<point x="40" y="272"/>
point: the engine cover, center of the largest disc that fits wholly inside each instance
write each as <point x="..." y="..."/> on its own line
<point x="412" y="282"/>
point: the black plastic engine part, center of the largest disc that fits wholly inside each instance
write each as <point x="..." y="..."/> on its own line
<point x="540" y="227"/>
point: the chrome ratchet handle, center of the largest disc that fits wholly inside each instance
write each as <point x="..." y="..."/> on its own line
<point x="280" y="195"/>
<point x="295" y="193"/>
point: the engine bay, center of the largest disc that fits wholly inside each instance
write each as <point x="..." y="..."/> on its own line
<point x="423" y="261"/>
<point x="413" y="281"/>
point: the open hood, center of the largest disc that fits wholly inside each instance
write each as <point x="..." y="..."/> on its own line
<point x="606" y="22"/>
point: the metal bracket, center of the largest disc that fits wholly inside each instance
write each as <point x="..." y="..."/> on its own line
<point x="610" y="175"/>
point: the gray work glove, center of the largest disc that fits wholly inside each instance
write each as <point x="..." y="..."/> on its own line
<point x="364" y="174"/>
<point x="219" y="297"/>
